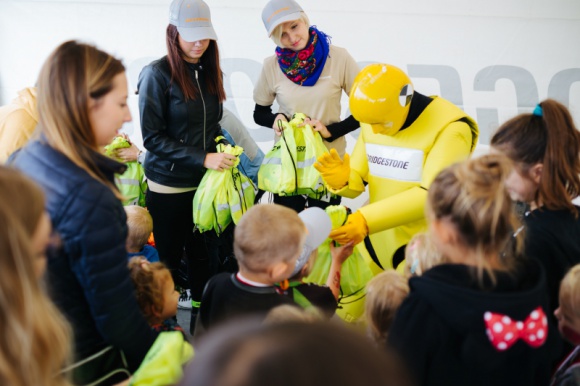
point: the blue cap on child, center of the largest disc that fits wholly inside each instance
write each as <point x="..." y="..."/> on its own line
<point x="318" y="227"/>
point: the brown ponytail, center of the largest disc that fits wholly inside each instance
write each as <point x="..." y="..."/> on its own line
<point x="548" y="137"/>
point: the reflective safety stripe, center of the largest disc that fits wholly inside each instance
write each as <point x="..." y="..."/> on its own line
<point x="223" y="207"/>
<point x="306" y="163"/>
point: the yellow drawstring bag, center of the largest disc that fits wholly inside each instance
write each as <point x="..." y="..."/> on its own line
<point x="309" y="147"/>
<point x="276" y="174"/>
<point x="354" y="275"/>
<point x="288" y="169"/>
<point x="222" y="196"/>
<point x="163" y="364"/>
<point x="132" y="183"/>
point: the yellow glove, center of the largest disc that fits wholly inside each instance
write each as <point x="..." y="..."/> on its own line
<point x="334" y="171"/>
<point x="354" y="230"/>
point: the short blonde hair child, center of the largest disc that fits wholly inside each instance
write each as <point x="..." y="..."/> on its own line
<point x="570" y="291"/>
<point x="277" y="32"/>
<point x="385" y="294"/>
<point x="268" y="234"/>
<point x="287" y="313"/>
<point x="140" y="226"/>
<point x="148" y="279"/>
<point x="421" y="255"/>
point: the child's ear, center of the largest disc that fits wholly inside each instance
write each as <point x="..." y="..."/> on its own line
<point x="304" y="271"/>
<point x="278" y="271"/>
<point x="154" y="311"/>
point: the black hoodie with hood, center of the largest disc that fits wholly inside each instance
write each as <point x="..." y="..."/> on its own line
<point x="440" y="330"/>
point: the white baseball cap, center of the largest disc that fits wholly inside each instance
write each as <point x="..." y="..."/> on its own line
<point x="192" y="19"/>
<point x="318" y="227"/>
<point x="277" y="12"/>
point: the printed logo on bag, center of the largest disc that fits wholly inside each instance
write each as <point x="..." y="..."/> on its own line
<point x="395" y="163"/>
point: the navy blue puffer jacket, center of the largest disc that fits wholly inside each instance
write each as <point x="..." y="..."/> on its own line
<point x="89" y="279"/>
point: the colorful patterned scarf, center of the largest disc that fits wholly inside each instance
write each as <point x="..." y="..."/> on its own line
<point x="305" y="66"/>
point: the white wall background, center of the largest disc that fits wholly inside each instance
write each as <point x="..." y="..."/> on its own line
<point x="495" y="58"/>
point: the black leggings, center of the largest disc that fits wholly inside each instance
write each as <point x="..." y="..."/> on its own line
<point x="175" y="238"/>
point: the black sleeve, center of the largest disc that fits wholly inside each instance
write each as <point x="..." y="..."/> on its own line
<point x="264" y="116"/>
<point x="341" y="128"/>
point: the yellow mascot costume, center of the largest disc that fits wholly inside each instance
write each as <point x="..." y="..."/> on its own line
<point x="406" y="139"/>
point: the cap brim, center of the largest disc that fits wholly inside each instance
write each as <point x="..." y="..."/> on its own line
<point x="197" y="33"/>
<point x="284" y="19"/>
<point x="318" y="226"/>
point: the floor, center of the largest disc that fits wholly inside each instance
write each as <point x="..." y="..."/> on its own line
<point x="183" y="318"/>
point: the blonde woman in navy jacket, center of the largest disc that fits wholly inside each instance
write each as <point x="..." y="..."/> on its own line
<point x="82" y="95"/>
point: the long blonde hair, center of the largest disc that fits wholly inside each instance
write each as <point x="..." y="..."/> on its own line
<point x="72" y="75"/>
<point x="473" y="197"/>
<point x="36" y="342"/>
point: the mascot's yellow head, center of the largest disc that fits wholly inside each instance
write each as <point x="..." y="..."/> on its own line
<point x="381" y="96"/>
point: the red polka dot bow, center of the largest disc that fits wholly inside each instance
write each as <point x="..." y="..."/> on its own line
<point x="503" y="332"/>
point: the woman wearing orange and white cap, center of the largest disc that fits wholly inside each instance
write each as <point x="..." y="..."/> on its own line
<point x="307" y="75"/>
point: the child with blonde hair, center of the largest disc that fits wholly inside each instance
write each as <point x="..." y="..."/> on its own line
<point x="568" y="315"/>
<point x="324" y="297"/>
<point x="481" y="318"/>
<point x="155" y="292"/>
<point x="420" y="255"/>
<point x="287" y="313"/>
<point x="385" y="293"/>
<point x="268" y="241"/>
<point x="139" y="228"/>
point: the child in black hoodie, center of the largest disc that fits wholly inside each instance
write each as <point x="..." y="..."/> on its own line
<point x="481" y="318"/>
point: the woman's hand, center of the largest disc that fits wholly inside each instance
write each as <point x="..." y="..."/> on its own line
<point x="128" y="154"/>
<point x="219" y="161"/>
<point x="278" y="128"/>
<point x="317" y="126"/>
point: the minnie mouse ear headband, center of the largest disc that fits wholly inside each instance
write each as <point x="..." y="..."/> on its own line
<point x="192" y="19"/>
<point x="318" y="227"/>
<point x="277" y="12"/>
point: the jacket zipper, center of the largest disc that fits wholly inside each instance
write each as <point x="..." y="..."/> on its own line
<point x="204" y="112"/>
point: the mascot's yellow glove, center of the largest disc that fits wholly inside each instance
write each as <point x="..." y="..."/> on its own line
<point x="355" y="230"/>
<point x="334" y="171"/>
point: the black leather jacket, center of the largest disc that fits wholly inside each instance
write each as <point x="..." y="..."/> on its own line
<point x="176" y="133"/>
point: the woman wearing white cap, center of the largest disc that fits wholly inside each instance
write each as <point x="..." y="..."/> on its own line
<point x="180" y="103"/>
<point x="306" y="75"/>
